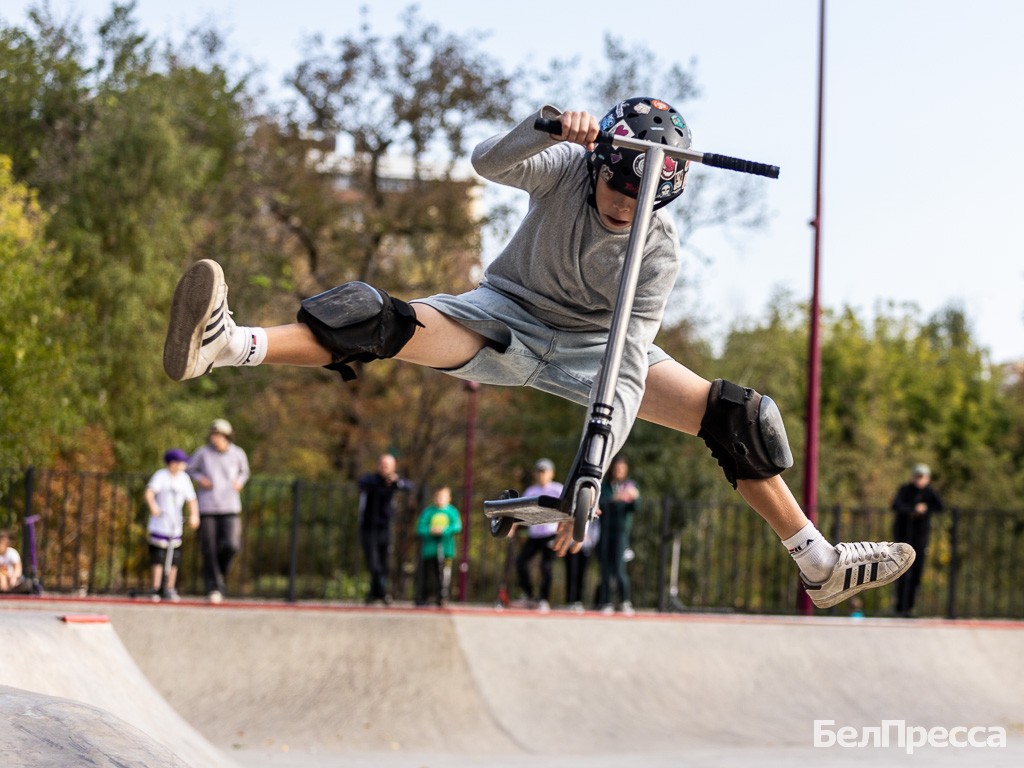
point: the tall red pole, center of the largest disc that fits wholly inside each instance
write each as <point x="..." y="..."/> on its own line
<point x="814" y="342"/>
<point x="467" y="487"/>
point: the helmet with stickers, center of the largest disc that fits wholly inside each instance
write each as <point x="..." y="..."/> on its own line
<point x="651" y="120"/>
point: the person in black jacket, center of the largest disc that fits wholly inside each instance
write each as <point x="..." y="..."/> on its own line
<point x="376" y="510"/>
<point x="914" y="504"/>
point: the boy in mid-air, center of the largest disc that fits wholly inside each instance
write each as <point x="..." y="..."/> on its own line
<point x="541" y="316"/>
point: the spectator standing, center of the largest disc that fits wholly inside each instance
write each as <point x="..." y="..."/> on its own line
<point x="376" y="512"/>
<point x="577" y="564"/>
<point x="169" y="490"/>
<point x="10" y="564"/>
<point x="619" y="495"/>
<point x="220" y="470"/>
<point x="438" y="524"/>
<point x="540" y="539"/>
<point x="914" y="504"/>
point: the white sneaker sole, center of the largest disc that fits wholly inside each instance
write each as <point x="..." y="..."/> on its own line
<point x="195" y="300"/>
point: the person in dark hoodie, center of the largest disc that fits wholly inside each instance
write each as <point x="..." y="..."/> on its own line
<point x="914" y="504"/>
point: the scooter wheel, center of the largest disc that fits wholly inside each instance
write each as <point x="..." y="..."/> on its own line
<point x="585" y="499"/>
<point x="501" y="527"/>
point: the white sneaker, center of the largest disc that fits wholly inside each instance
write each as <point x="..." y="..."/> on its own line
<point x="200" y="325"/>
<point x="627" y="608"/>
<point x="215" y="597"/>
<point x="863" y="565"/>
<point x="544" y="606"/>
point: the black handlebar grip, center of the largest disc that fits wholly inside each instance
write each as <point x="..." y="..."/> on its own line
<point x="554" y="127"/>
<point x="743" y="166"/>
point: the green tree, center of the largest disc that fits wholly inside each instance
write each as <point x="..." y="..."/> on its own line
<point x="39" y="339"/>
<point x="44" y="99"/>
<point x="136" y="171"/>
<point x="392" y="210"/>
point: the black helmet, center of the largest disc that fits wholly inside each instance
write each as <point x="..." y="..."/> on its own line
<point x="652" y="120"/>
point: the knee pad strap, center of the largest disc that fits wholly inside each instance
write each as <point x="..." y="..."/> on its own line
<point x="744" y="432"/>
<point x="358" y="323"/>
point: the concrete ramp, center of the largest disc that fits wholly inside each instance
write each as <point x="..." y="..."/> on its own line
<point x="481" y="683"/>
<point x="327" y="681"/>
<point x="40" y="731"/>
<point x="327" y="686"/>
<point x="656" y="685"/>
<point x="104" y="700"/>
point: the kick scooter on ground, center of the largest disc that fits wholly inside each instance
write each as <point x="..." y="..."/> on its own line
<point x="582" y="487"/>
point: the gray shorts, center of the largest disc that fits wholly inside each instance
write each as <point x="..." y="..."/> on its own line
<point x="527" y="352"/>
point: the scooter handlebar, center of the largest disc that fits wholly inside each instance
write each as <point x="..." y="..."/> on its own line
<point x="743" y="166"/>
<point x="554" y="127"/>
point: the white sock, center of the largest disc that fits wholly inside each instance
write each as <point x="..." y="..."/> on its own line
<point x="812" y="552"/>
<point x="247" y="346"/>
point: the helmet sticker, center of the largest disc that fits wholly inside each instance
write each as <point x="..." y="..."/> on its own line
<point x="607" y="173"/>
<point x="665" y="190"/>
<point x="641" y="108"/>
<point x="659" y="105"/>
<point x="670" y="168"/>
<point x="616" y="157"/>
<point x="622" y="129"/>
<point x="677" y="121"/>
<point x="620" y="109"/>
<point x="638" y="165"/>
<point x="606" y="122"/>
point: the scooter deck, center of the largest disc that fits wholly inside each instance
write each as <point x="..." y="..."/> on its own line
<point x="527" y="509"/>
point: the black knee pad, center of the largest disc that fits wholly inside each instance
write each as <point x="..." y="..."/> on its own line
<point x="358" y="323"/>
<point x="745" y="433"/>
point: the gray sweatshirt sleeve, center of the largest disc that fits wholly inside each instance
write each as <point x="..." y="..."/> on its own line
<point x="517" y="158"/>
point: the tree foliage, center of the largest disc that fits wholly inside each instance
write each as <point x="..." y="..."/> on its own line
<point x="40" y="341"/>
<point x="130" y="157"/>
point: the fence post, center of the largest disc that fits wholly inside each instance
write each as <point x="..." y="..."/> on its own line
<point x="293" y="540"/>
<point x="954" y="517"/>
<point x="666" y="509"/>
<point x="29" y="529"/>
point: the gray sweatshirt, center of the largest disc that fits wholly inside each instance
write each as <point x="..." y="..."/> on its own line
<point x="564" y="264"/>
<point x="223" y="470"/>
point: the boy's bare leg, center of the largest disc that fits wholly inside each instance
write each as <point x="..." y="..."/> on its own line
<point x="676" y="398"/>
<point x="294" y="345"/>
<point x="441" y="343"/>
<point x="201" y="334"/>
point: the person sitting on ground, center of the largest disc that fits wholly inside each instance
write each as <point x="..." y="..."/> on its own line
<point x="11" y="577"/>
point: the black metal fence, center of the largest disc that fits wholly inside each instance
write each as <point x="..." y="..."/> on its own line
<point x="86" y="533"/>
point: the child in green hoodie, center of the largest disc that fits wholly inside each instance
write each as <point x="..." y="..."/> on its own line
<point x="437" y="526"/>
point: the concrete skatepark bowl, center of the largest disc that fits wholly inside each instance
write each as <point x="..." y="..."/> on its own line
<point x="244" y="684"/>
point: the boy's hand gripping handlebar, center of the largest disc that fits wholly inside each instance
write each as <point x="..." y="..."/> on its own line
<point x="554" y="127"/>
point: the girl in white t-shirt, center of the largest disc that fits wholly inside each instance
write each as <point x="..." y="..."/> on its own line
<point x="167" y="492"/>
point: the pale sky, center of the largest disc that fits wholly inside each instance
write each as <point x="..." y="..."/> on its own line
<point x="924" y="120"/>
